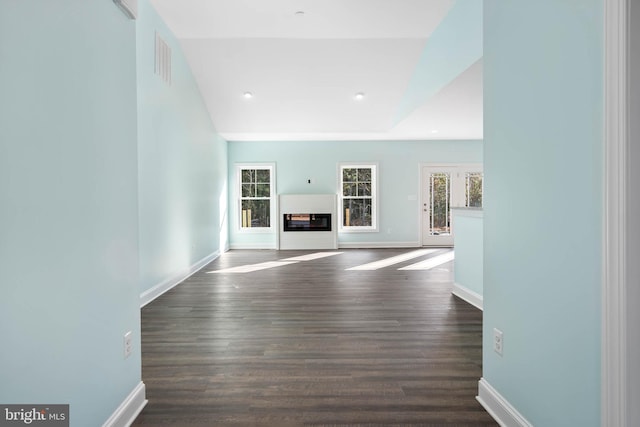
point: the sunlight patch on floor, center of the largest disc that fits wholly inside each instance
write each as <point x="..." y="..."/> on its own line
<point x="430" y="263"/>
<point x="393" y="260"/>
<point x="311" y="257"/>
<point x="274" y="264"/>
<point x="254" y="267"/>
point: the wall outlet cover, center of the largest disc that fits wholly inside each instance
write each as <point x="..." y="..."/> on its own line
<point x="498" y="341"/>
<point x="128" y="344"/>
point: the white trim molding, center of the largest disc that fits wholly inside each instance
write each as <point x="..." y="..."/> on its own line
<point x="498" y="407"/>
<point x="466" y="294"/>
<point x="371" y="245"/>
<point x="614" y="316"/>
<point x="150" y="294"/>
<point x="253" y="246"/>
<point x="129" y="409"/>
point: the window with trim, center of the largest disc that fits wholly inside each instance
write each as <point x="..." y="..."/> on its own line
<point x="256" y="196"/>
<point x="358" y="197"/>
<point x="473" y="189"/>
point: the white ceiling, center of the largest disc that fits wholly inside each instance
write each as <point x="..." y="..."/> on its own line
<point x="304" y="70"/>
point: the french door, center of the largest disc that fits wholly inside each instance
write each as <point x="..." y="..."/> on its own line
<point x="444" y="187"/>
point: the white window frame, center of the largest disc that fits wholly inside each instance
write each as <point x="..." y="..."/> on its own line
<point x="374" y="196"/>
<point x="273" y="199"/>
<point x="466" y="193"/>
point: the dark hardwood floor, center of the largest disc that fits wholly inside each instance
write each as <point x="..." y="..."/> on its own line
<point x="310" y="344"/>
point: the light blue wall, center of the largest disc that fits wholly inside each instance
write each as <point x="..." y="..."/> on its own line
<point x="399" y="178"/>
<point x="469" y="256"/>
<point x="182" y="164"/>
<point x="454" y="46"/>
<point x="543" y="153"/>
<point x="68" y="215"/>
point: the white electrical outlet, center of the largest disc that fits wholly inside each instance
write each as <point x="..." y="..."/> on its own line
<point x="498" y="341"/>
<point x="128" y="344"/>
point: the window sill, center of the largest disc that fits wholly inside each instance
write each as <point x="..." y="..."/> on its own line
<point x="257" y="230"/>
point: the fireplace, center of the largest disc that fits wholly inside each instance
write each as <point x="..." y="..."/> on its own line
<point x="306" y="222"/>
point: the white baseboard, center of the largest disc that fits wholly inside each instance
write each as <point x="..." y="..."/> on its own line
<point x="252" y="246"/>
<point x="498" y="407"/>
<point x="341" y="245"/>
<point x="150" y="294"/>
<point x="375" y="245"/>
<point x="129" y="409"/>
<point x="468" y="295"/>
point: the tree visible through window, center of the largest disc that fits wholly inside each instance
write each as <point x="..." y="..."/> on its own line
<point x="439" y="212"/>
<point x="473" y="184"/>
<point x="358" y="196"/>
<point x="255" y="199"/>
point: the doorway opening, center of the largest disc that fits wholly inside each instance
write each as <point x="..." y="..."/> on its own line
<point x="443" y="187"/>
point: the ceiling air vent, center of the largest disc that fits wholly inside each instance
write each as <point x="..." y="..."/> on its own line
<point x="163" y="59"/>
<point x="128" y="7"/>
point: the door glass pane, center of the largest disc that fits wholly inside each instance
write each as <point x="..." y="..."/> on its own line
<point x="473" y="189"/>
<point x="439" y="212"/>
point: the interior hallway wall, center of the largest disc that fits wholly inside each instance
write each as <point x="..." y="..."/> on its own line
<point x="543" y="151"/>
<point x="69" y="206"/>
<point x="182" y="165"/>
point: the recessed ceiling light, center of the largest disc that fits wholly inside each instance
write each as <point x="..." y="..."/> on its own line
<point x="434" y="130"/>
<point x="359" y="96"/>
<point x="248" y="95"/>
